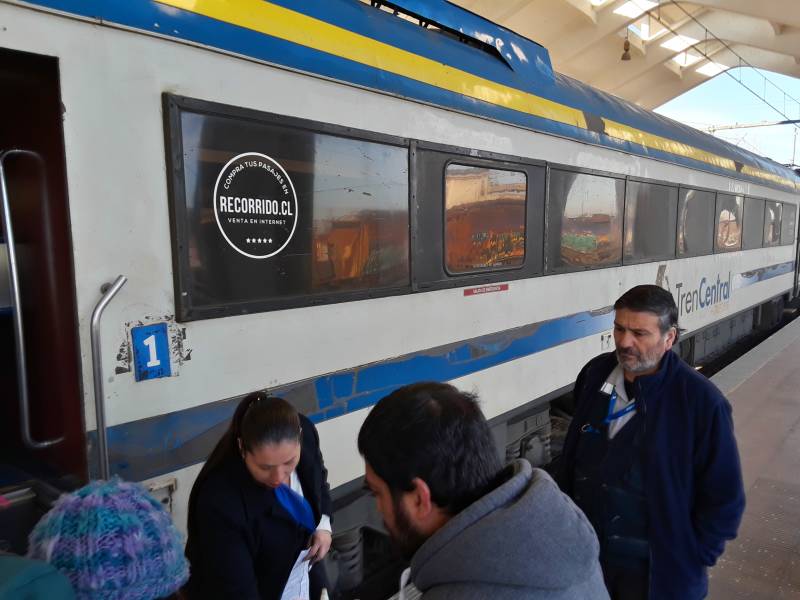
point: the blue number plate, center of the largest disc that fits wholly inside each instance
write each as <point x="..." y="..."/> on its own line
<point x="151" y="358"/>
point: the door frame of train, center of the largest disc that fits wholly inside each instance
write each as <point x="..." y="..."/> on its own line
<point x="41" y="219"/>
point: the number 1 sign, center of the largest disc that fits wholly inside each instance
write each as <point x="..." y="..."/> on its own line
<point x="151" y="357"/>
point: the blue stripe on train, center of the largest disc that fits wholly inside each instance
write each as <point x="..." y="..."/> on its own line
<point x="148" y="447"/>
<point x="164" y="443"/>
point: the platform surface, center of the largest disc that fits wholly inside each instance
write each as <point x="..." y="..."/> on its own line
<point x="763" y="387"/>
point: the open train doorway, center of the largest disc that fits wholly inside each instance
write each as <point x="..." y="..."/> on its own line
<point x="42" y="440"/>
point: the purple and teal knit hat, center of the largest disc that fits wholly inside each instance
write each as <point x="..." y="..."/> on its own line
<point x="113" y="541"/>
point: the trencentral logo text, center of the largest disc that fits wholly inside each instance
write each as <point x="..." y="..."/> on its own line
<point x="704" y="296"/>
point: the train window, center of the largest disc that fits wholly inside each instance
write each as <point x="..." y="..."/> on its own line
<point x="584" y="220"/>
<point x="281" y="215"/>
<point x="651" y="213"/>
<point x="695" y="222"/>
<point x="728" y="223"/>
<point x="772" y="224"/>
<point x="753" y="223"/>
<point x="787" y="223"/>
<point x="484" y="218"/>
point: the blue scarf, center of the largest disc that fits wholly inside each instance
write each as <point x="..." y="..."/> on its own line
<point x="297" y="506"/>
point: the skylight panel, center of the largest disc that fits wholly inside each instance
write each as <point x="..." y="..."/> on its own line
<point x="710" y="69"/>
<point x="634" y="8"/>
<point x="679" y="43"/>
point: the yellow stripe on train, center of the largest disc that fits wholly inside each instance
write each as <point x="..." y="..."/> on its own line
<point x="289" y="25"/>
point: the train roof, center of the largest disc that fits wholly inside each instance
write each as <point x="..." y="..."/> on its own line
<point x="448" y="57"/>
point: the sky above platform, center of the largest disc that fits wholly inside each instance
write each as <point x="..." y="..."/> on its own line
<point x="724" y="101"/>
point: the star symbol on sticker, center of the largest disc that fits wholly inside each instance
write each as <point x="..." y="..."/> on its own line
<point x="248" y="240"/>
<point x="270" y="240"/>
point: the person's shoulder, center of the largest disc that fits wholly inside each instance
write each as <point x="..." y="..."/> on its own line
<point x="220" y="487"/>
<point x="599" y="367"/>
<point x="700" y="388"/>
<point x="310" y="433"/>
<point x="606" y="359"/>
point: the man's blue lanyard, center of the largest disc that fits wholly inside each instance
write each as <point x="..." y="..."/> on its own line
<point x="611" y="415"/>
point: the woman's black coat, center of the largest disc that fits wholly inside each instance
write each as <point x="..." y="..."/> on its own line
<point x="242" y="543"/>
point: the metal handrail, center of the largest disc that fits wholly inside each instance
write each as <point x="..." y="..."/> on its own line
<point x="16" y="305"/>
<point x="109" y="291"/>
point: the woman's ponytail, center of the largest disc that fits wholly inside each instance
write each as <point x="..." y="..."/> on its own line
<point x="258" y="419"/>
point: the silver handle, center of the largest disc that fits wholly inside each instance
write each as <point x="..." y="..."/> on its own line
<point x="109" y="291"/>
<point x="16" y="304"/>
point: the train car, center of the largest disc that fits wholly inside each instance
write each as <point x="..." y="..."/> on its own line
<point x="330" y="199"/>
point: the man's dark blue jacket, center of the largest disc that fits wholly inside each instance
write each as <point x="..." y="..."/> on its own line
<point x="693" y="480"/>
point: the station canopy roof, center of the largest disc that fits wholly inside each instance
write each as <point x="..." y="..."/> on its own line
<point x="670" y="49"/>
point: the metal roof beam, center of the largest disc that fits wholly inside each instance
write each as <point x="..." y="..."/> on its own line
<point x="655" y="91"/>
<point x="744" y="30"/>
<point x="777" y="11"/>
<point x="585" y="8"/>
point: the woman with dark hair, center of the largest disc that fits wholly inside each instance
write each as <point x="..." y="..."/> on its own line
<point x="261" y="498"/>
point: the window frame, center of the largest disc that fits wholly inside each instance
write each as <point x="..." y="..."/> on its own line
<point x="640" y="261"/>
<point x="429" y="161"/>
<point x="488" y="270"/>
<point x="549" y="270"/>
<point x="764" y="243"/>
<point x="763" y="219"/>
<point x="186" y="310"/>
<point x="712" y="233"/>
<point x="794" y="224"/>
<point x="716" y="222"/>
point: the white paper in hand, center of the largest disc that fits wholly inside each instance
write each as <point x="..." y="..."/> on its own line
<point x="297" y="587"/>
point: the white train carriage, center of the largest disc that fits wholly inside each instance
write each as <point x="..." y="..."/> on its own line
<point x="330" y="200"/>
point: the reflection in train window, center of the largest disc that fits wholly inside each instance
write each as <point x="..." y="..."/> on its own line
<point x="651" y="212"/>
<point x="787" y="223"/>
<point x="729" y="223"/>
<point x="772" y="224"/>
<point x="584" y="220"/>
<point x="484" y="218"/>
<point x="695" y="222"/>
<point x="352" y="229"/>
<point x="753" y="223"/>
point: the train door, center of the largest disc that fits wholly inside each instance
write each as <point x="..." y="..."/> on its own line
<point x="42" y="440"/>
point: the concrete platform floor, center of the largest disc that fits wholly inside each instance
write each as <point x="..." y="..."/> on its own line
<point x="763" y="387"/>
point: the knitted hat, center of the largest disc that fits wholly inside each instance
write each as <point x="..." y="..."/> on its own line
<point x="113" y="541"/>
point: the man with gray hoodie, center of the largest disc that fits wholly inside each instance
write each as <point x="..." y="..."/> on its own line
<point x="471" y="528"/>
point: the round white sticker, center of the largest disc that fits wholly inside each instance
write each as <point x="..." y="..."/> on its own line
<point x="255" y="205"/>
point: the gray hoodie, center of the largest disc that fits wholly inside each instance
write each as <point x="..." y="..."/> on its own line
<point x="525" y="539"/>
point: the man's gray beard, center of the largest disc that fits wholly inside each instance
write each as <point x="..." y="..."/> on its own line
<point x="641" y="365"/>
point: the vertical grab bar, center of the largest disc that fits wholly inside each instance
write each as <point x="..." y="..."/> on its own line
<point x="109" y="291"/>
<point x="16" y="304"/>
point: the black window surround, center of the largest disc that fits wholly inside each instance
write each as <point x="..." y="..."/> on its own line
<point x="426" y="166"/>
<point x="652" y="236"/>
<point x="477" y="181"/>
<point x="188" y="297"/>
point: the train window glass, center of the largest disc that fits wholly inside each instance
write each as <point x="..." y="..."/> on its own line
<point x="347" y="231"/>
<point x="695" y="222"/>
<point x="787" y="223"/>
<point x="753" y="223"/>
<point x="772" y="223"/>
<point x="728" y="223"/>
<point x="584" y="220"/>
<point x="651" y="213"/>
<point x="484" y="218"/>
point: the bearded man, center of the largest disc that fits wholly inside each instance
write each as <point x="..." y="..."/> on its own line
<point x="471" y="528"/>
<point x="651" y="458"/>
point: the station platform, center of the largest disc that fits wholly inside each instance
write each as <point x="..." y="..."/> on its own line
<point x="763" y="387"/>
